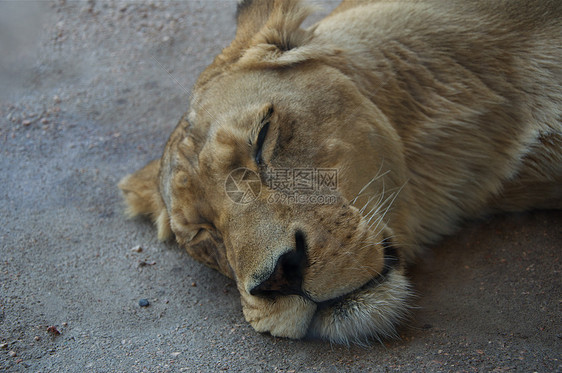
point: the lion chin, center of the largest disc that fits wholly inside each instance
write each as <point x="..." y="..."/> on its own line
<point x="372" y="311"/>
<point x="314" y="165"/>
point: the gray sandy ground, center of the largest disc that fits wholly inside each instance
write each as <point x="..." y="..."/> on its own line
<point x="89" y="92"/>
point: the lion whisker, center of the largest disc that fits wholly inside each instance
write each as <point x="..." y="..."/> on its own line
<point x="381" y="194"/>
<point x="377" y="176"/>
<point x="390" y="204"/>
<point x="367" y="203"/>
<point x="379" y="207"/>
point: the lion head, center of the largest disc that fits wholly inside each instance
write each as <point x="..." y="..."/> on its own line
<point x="284" y="177"/>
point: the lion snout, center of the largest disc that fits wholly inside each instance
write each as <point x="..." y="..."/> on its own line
<point x="287" y="276"/>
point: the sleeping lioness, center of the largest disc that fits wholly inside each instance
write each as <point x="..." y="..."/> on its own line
<point x="315" y="164"/>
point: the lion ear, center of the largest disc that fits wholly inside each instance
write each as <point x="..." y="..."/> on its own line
<point x="142" y="197"/>
<point x="251" y="16"/>
<point x="271" y="22"/>
<point x="267" y="31"/>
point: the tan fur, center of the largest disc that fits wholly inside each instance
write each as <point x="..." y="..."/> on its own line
<point x="432" y="112"/>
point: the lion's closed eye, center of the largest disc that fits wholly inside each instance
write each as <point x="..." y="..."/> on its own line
<point x="259" y="146"/>
<point x="265" y="124"/>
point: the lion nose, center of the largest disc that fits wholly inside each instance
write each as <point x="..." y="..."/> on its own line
<point x="287" y="276"/>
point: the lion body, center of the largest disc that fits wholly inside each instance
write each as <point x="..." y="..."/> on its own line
<point x="474" y="92"/>
<point x="432" y="112"/>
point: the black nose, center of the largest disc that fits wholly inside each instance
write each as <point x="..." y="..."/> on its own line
<point x="287" y="277"/>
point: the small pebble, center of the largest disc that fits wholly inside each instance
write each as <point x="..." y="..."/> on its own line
<point x="193" y="284"/>
<point x="37" y="338"/>
<point x="137" y="249"/>
<point x="64" y="324"/>
<point x="26" y="122"/>
<point x="144" y="302"/>
<point x="4" y="345"/>
<point x="13" y="353"/>
<point x="53" y="330"/>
